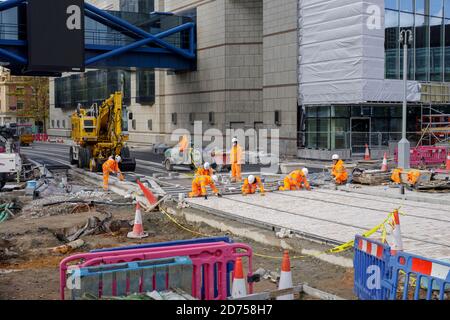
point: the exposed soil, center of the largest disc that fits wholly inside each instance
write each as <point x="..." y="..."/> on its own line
<point x="29" y="268"/>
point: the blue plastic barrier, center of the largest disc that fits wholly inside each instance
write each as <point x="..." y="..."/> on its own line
<point x="370" y="267"/>
<point x="412" y="277"/>
<point x="383" y="275"/>
<point x="135" y="277"/>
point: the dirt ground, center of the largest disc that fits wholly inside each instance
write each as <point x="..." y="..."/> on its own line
<point x="29" y="268"/>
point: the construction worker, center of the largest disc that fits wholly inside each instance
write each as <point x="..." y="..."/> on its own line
<point x="413" y="177"/>
<point x="251" y="184"/>
<point x="199" y="185"/>
<point x="205" y="170"/>
<point x="236" y="161"/>
<point x="111" y="166"/>
<point x="338" y="171"/>
<point x="396" y="176"/>
<point x="296" y="180"/>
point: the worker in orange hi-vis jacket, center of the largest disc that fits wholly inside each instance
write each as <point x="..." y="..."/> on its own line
<point x="396" y="176"/>
<point x="413" y="177"/>
<point x="338" y="171"/>
<point x="205" y="170"/>
<point x="111" y="166"/>
<point x="251" y="184"/>
<point x="296" y="180"/>
<point x="236" y="161"/>
<point x="199" y="185"/>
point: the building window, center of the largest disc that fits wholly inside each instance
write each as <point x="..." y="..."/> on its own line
<point x="212" y="118"/>
<point x="58" y="124"/>
<point x="174" y="118"/>
<point x="20" y="105"/>
<point x="53" y="124"/>
<point x="133" y="125"/>
<point x="192" y="118"/>
<point x="64" y="124"/>
<point x="145" y="87"/>
<point x="150" y="125"/>
<point x="278" y="118"/>
<point x="429" y="55"/>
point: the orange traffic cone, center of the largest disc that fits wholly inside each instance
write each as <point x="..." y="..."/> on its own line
<point x="384" y="167"/>
<point x="367" y="154"/>
<point x="397" y="233"/>
<point x="138" y="228"/>
<point x="286" y="277"/>
<point x="147" y="193"/>
<point x="239" y="288"/>
<point x="448" y="162"/>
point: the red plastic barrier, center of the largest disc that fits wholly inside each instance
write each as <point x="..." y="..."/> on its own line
<point x="426" y="156"/>
<point x="205" y="259"/>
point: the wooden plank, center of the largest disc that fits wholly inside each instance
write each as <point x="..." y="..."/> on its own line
<point x="319" y="294"/>
<point x="270" y="295"/>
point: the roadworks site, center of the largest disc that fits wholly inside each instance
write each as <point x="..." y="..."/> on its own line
<point x="72" y="214"/>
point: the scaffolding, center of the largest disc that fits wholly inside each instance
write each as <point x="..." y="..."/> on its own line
<point x="435" y="127"/>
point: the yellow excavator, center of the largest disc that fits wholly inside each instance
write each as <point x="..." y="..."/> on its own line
<point x="101" y="132"/>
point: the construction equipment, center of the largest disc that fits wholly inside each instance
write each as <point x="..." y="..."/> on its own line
<point x="101" y="132"/>
<point x="10" y="160"/>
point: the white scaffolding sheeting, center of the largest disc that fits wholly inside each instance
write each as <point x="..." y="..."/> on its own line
<point x="341" y="54"/>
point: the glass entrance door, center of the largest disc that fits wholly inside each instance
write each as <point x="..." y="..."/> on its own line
<point x="360" y="135"/>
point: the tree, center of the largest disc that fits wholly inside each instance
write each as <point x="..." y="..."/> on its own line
<point x="35" y="98"/>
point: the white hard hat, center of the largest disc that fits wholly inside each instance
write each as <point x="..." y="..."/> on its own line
<point x="305" y="171"/>
<point x="336" y="157"/>
<point x="118" y="159"/>
<point x="235" y="140"/>
<point x="251" y="179"/>
<point x="215" y="178"/>
<point x="207" y="166"/>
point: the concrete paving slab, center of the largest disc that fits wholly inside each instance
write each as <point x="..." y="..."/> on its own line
<point x="339" y="215"/>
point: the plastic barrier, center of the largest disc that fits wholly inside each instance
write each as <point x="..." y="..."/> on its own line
<point x="168" y="244"/>
<point x="381" y="275"/>
<point x="133" y="278"/>
<point x="369" y="261"/>
<point x="426" y="156"/>
<point x="184" y="242"/>
<point x="206" y="258"/>
<point x="412" y="277"/>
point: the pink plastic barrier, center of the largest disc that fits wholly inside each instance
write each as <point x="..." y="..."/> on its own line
<point x="426" y="156"/>
<point x="208" y="257"/>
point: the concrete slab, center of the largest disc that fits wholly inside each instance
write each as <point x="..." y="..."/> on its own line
<point x="339" y="215"/>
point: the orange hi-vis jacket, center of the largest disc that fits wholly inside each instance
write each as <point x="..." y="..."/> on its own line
<point x="296" y="180"/>
<point x="339" y="172"/>
<point x="199" y="185"/>
<point x="184" y="143"/>
<point x="248" y="188"/>
<point x="203" y="172"/>
<point x="236" y="155"/>
<point x="396" y="176"/>
<point x="413" y="177"/>
<point x="110" y="166"/>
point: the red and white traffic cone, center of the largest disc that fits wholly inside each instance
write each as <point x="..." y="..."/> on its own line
<point x="239" y="289"/>
<point x="396" y="233"/>
<point x="138" y="228"/>
<point x="367" y="153"/>
<point x="448" y="162"/>
<point x="384" y="167"/>
<point x="286" y="277"/>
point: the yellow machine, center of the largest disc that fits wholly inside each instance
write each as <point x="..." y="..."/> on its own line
<point x="101" y="132"/>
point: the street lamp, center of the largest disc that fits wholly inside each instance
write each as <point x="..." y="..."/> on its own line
<point x="404" y="153"/>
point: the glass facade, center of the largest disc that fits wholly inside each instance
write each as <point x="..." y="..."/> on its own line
<point x="429" y="55"/>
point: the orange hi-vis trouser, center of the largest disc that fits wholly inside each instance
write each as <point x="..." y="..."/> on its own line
<point x="396" y="176"/>
<point x="249" y="188"/>
<point x="340" y="173"/>
<point x="109" y="167"/>
<point x="199" y="185"/>
<point x="295" y="181"/>
<point x="236" y="160"/>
